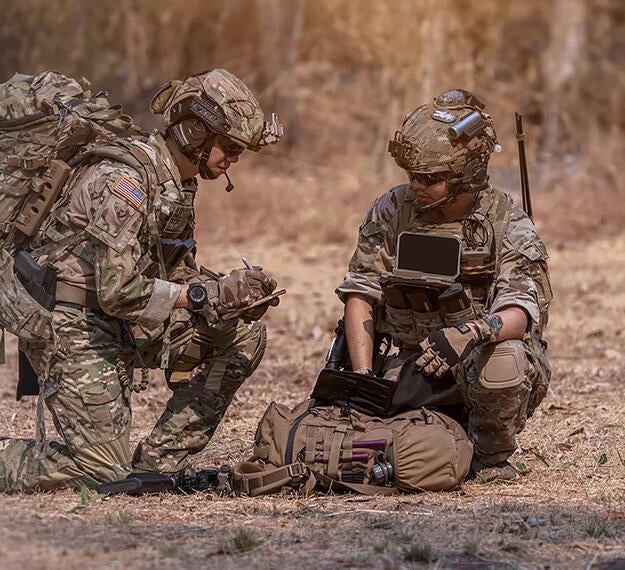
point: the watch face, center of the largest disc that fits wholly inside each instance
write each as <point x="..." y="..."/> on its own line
<point x="197" y="294"/>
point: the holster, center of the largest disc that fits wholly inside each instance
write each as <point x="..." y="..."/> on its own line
<point x="28" y="382"/>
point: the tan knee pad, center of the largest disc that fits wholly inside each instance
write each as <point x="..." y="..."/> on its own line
<point x="502" y="364"/>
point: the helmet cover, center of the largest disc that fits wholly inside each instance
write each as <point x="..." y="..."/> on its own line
<point x="244" y="119"/>
<point x="445" y="135"/>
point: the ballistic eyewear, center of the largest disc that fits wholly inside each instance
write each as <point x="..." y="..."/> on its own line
<point x="229" y="147"/>
<point x="429" y="179"/>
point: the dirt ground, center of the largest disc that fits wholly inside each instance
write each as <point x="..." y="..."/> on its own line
<point x="568" y="511"/>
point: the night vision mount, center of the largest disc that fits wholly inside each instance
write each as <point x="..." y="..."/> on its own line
<point x="273" y="131"/>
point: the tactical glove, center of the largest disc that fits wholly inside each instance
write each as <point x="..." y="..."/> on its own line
<point x="449" y="346"/>
<point x="230" y="294"/>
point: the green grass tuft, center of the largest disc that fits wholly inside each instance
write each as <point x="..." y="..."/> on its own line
<point x="419" y="552"/>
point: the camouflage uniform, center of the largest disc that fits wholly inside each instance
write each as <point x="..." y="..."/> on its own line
<point x="517" y="276"/>
<point x="109" y="282"/>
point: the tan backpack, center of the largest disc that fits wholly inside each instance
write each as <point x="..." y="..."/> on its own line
<point x="344" y="449"/>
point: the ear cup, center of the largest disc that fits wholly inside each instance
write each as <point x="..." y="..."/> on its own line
<point x="196" y="133"/>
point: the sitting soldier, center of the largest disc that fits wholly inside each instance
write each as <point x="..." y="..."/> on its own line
<point x="482" y="362"/>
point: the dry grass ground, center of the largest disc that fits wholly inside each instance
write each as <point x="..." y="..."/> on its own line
<point x="568" y="511"/>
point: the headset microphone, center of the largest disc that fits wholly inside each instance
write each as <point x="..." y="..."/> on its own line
<point x="230" y="185"/>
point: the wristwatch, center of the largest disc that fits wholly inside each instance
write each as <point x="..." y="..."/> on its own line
<point x="196" y="295"/>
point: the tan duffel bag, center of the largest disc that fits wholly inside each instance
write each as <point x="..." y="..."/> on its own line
<point x="338" y="448"/>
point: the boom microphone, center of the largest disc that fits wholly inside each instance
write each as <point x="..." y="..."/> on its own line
<point x="230" y="185"/>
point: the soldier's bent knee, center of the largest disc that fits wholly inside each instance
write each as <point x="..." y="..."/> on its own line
<point x="502" y="364"/>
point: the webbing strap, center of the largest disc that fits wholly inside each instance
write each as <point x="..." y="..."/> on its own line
<point x="68" y="293"/>
<point x="348" y="449"/>
<point x="311" y="444"/>
<point x="500" y="224"/>
<point x="335" y="450"/>
<point x="254" y="480"/>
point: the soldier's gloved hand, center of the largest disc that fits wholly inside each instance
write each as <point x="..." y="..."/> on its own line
<point x="231" y="293"/>
<point x="446" y="347"/>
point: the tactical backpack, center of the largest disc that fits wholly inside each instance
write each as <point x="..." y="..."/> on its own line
<point x="331" y="447"/>
<point x="45" y="121"/>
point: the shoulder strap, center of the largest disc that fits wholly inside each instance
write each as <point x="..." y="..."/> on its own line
<point x="252" y="479"/>
<point x="499" y="213"/>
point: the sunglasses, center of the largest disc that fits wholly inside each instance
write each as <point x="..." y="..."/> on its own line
<point x="229" y="147"/>
<point x="429" y="179"/>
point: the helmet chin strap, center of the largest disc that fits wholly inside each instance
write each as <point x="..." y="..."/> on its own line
<point x="202" y="164"/>
<point x="200" y="160"/>
<point x="207" y="174"/>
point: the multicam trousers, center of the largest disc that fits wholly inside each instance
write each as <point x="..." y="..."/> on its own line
<point x="491" y="402"/>
<point x="88" y="395"/>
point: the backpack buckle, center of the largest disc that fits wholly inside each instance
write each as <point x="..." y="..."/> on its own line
<point x="296" y="470"/>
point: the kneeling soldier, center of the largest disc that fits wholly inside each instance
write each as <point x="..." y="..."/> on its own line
<point x="128" y="285"/>
<point x="483" y="361"/>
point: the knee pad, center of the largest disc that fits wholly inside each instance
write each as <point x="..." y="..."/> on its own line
<point x="502" y="364"/>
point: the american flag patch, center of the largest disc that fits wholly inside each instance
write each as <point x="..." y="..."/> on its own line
<point x="130" y="191"/>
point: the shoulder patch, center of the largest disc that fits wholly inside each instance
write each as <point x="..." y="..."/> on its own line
<point x="130" y="191"/>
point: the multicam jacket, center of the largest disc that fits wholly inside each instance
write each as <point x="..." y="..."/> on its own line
<point x="121" y="210"/>
<point x="514" y="272"/>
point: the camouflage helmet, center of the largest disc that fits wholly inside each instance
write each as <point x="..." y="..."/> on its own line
<point x="445" y="136"/>
<point x="223" y="103"/>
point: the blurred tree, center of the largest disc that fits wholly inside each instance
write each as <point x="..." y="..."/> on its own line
<point x="342" y="73"/>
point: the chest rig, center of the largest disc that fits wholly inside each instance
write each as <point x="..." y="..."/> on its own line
<point x="412" y="312"/>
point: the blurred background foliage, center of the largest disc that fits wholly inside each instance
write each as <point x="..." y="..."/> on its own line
<point x="343" y="73"/>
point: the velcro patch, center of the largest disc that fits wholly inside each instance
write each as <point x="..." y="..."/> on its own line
<point x="127" y="189"/>
<point x="444" y="116"/>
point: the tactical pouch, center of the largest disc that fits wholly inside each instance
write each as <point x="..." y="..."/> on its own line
<point x="384" y="397"/>
<point x="363" y="393"/>
<point x="416" y="450"/>
<point x="20" y="313"/>
<point x="190" y="344"/>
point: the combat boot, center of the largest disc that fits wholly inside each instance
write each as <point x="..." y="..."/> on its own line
<point x="502" y="471"/>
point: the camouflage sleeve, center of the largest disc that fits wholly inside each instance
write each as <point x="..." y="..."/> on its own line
<point x="375" y="249"/>
<point x="186" y="270"/>
<point x="523" y="278"/>
<point x="118" y="219"/>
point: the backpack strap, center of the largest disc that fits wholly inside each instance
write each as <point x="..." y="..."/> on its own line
<point x="336" y="447"/>
<point x="252" y="479"/>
